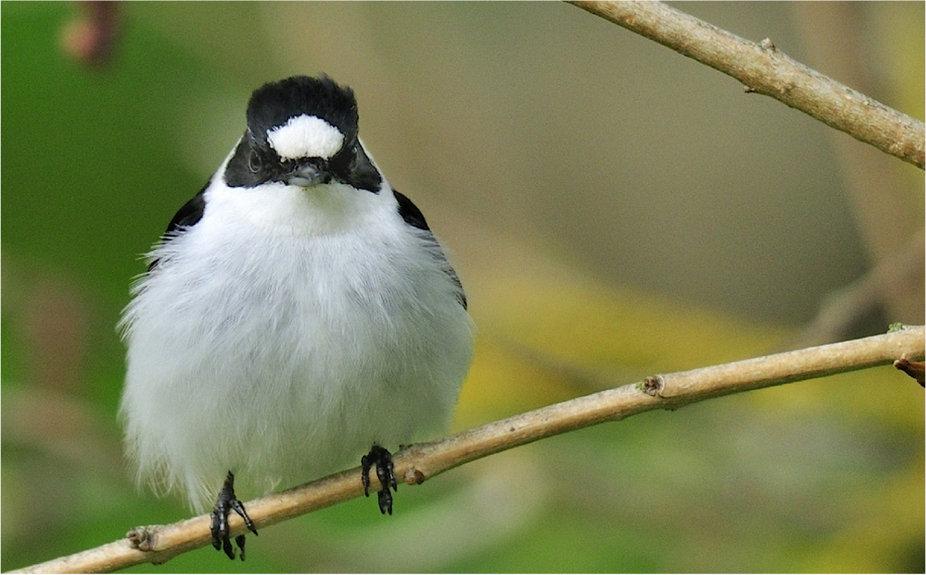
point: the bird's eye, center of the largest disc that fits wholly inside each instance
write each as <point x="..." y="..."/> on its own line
<point x="254" y="162"/>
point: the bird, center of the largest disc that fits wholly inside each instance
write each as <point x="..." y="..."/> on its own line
<point x="297" y="312"/>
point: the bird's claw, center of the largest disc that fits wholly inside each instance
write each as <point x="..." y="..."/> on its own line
<point x="385" y="472"/>
<point x="225" y="504"/>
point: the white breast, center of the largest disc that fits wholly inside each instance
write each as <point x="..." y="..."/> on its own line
<point x="285" y="333"/>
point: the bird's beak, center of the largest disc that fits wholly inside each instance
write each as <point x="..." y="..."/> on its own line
<point x="307" y="176"/>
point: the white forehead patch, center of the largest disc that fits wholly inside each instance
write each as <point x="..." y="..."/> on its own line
<point x="305" y="136"/>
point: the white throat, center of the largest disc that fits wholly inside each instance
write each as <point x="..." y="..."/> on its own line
<point x="279" y="209"/>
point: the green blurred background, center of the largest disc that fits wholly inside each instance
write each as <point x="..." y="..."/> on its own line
<point x="613" y="209"/>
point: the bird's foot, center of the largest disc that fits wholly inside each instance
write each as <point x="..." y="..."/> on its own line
<point x="225" y="503"/>
<point x="382" y="459"/>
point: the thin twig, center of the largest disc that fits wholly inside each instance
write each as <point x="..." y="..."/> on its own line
<point x="416" y="463"/>
<point x="896" y="277"/>
<point x="914" y="369"/>
<point x="91" y="37"/>
<point x="764" y="69"/>
<point x="884" y="225"/>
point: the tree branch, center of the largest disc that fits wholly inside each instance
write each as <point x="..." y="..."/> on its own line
<point x="762" y="68"/>
<point x="416" y="463"/>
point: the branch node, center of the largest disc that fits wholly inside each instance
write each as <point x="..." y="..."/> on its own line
<point x="786" y="88"/>
<point x="915" y="369"/>
<point x="143" y="538"/>
<point x="767" y="44"/>
<point x="652" y="385"/>
<point x="414" y="476"/>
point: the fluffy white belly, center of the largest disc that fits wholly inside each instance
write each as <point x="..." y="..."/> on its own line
<point x="282" y="354"/>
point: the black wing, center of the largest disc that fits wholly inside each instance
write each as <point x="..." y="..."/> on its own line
<point x="413" y="217"/>
<point x="188" y="215"/>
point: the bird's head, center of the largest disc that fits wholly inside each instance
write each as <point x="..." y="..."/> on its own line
<point x="302" y="132"/>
